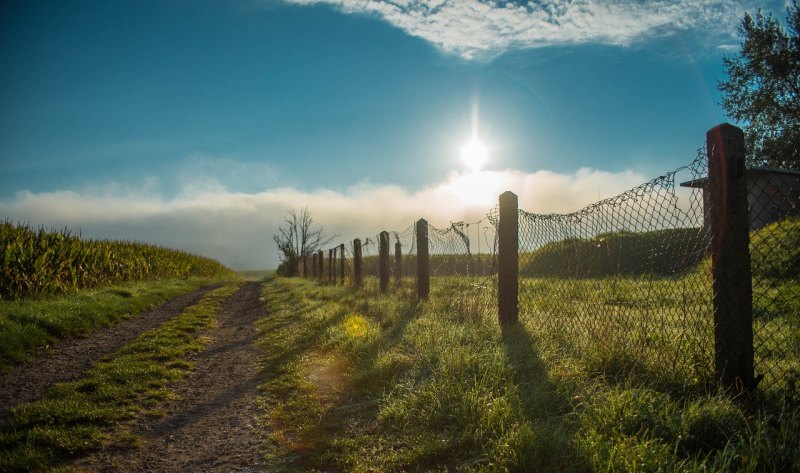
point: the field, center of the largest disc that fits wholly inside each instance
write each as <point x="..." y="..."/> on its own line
<point x="605" y="372"/>
<point x="385" y="384"/>
<point x="40" y="262"/>
<point x="610" y="369"/>
<point x="54" y="284"/>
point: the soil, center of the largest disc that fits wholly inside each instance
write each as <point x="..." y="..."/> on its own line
<point x="210" y="425"/>
<point x="68" y="359"/>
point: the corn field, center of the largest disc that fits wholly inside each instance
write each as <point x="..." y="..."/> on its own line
<point x="37" y="262"/>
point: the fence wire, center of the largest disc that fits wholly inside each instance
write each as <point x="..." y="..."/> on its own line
<point x="774" y="213"/>
<point x="455" y="251"/>
<point x="619" y="283"/>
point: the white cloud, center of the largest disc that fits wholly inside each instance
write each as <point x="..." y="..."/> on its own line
<point x="473" y="28"/>
<point x="236" y="228"/>
<point x="203" y="171"/>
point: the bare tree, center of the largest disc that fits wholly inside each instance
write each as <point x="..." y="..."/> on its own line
<point x="297" y="240"/>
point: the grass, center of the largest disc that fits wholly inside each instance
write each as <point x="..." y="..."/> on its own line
<point x="30" y="323"/>
<point x="662" y="252"/>
<point x="364" y="383"/>
<point x="80" y="416"/>
<point x="255" y="274"/>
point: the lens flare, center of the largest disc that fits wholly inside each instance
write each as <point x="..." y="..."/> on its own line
<point x="355" y="325"/>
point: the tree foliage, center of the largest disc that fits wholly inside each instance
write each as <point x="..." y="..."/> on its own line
<point x="297" y="239"/>
<point x="763" y="88"/>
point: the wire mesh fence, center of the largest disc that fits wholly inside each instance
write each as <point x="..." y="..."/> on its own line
<point x="650" y="281"/>
<point x="620" y="283"/>
<point x="774" y="210"/>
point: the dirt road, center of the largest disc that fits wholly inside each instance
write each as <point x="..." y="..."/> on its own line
<point x="68" y="359"/>
<point x="211" y="424"/>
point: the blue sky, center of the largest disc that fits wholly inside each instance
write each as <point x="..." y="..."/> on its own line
<point x="197" y="124"/>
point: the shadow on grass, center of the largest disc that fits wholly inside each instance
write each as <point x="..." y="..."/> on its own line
<point x="551" y="447"/>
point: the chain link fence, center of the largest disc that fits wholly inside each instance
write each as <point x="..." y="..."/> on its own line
<point x="621" y="283"/>
<point x="628" y="284"/>
<point x="774" y="213"/>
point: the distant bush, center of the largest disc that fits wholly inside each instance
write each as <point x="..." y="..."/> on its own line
<point x="659" y="253"/>
<point x="36" y="262"/>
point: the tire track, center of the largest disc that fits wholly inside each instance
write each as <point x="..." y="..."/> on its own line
<point x="68" y="359"/>
<point x="211" y="425"/>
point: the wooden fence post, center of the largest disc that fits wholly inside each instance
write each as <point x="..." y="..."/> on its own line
<point x="335" y="267"/>
<point x="423" y="260"/>
<point x="305" y="266"/>
<point x="730" y="257"/>
<point x="357" y="262"/>
<point x="321" y="262"/>
<point x="398" y="263"/>
<point x="508" y="259"/>
<point x="314" y="265"/>
<point x="341" y="263"/>
<point x="330" y="265"/>
<point x="383" y="261"/>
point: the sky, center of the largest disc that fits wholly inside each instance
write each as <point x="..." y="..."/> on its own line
<point x="197" y="124"/>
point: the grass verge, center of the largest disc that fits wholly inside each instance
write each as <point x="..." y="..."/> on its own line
<point x="31" y="323"/>
<point x="380" y="383"/>
<point x="78" y="417"/>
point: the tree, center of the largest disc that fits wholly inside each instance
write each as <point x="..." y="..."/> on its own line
<point x="763" y="88"/>
<point x="297" y="240"/>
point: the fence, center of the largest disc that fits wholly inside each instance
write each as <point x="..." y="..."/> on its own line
<point x="695" y="273"/>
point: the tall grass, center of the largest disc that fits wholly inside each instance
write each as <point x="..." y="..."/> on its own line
<point x="36" y="262"/>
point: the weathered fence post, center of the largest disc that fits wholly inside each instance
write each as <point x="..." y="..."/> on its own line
<point x="341" y="263"/>
<point x="508" y="259"/>
<point x="383" y="261"/>
<point x="335" y="250"/>
<point x="330" y="265"/>
<point x="423" y="260"/>
<point x="398" y="263"/>
<point x="305" y="265"/>
<point x="321" y="262"/>
<point x="357" y="262"/>
<point x="730" y="257"/>
<point x="314" y="265"/>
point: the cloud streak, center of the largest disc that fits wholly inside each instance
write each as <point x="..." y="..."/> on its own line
<point x="236" y="228"/>
<point x="479" y="28"/>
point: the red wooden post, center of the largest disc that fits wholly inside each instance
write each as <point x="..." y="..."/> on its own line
<point x="423" y="260"/>
<point x="730" y="257"/>
<point x="398" y="263"/>
<point x="357" y="263"/>
<point x="383" y="261"/>
<point x="508" y="259"/>
<point x="341" y="263"/>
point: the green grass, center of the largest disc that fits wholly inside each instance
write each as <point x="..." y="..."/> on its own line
<point x="255" y="274"/>
<point x="364" y="383"/>
<point x="775" y="250"/>
<point x="78" y="417"/>
<point x="30" y="323"/>
<point x="663" y="253"/>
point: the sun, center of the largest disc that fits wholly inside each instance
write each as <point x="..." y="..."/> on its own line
<point x="474" y="154"/>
